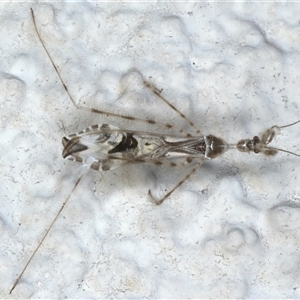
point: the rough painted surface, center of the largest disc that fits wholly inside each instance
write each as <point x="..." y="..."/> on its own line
<point x="231" y="231"/>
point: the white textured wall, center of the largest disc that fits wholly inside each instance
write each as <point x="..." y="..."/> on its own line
<point x="232" y="230"/>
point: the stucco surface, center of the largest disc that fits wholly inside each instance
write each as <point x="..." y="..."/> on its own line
<point x="230" y="231"/>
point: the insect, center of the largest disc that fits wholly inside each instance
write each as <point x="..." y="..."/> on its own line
<point x="104" y="147"/>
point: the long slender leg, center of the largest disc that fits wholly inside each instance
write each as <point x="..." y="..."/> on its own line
<point x="93" y="110"/>
<point x="157" y="92"/>
<point x="46" y="233"/>
<point x="193" y="170"/>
